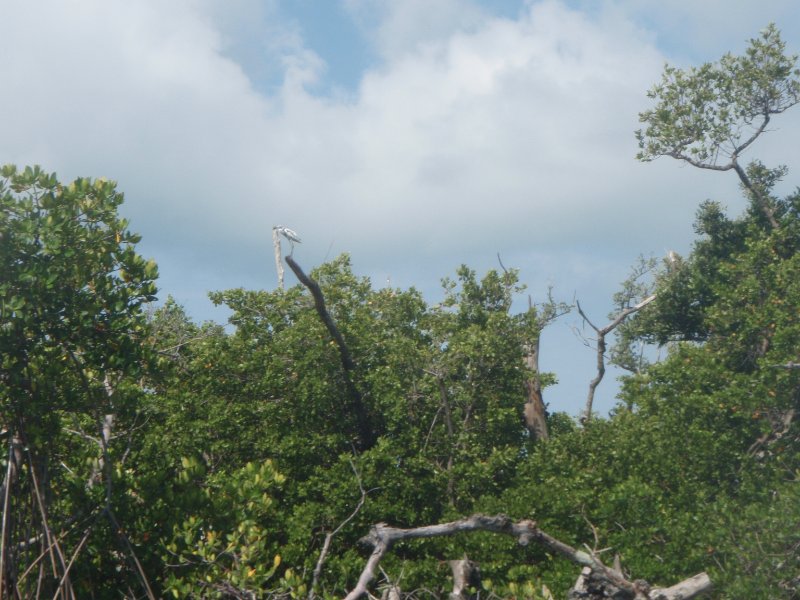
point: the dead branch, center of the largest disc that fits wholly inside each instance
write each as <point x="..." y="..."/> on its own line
<point x="602" y="332"/>
<point x="686" y="589"/>
<point x="779" y="428"/>
<point x="382" y="537"/>
<point x="788" y="365"/>
<point x="276" y="243"/>
<point x="365" y="437"/>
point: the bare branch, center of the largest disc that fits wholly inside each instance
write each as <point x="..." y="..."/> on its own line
<point x="602" y="332"/>
<point x="276" y="243"/>
<point x="382" y="537"/>
<point x="365" y="436"/>
<point x="686" y="589"/>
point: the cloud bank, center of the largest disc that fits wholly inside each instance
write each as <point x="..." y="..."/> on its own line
<point x="473" y="133"/>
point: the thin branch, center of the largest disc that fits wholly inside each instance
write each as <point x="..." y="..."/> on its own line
<point x="178" y="346"/>
<point x="6" y="499"/>
<point x="696" y="163"/>
<point x="329" y="537"/>
<point x="502" y="266"/>
<point x="743" y="146"/>
<point x="602" y="332"/>
<point x="52" y="542"/>
<point x="72" y="559"/>
<point x="140" y="570"/>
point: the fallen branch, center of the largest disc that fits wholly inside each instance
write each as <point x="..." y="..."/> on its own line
<point x="382" y="537"/>
<point x="788" y="365"/>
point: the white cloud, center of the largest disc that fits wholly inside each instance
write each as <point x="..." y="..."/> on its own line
<point x="497" y="128"/>
<point x="399" y="28"/>
<point x="475" y="135"/>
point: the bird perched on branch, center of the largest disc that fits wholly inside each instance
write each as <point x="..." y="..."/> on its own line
<point x="673" y="261"/>
<point x="289" y="234"/>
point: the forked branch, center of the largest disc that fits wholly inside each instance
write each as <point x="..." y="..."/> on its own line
<point x="602" y="332"/>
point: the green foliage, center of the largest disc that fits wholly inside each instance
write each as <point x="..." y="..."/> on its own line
<point x="759" y="551"/>
<point x="444" y="387"/>
<point x="225" y="547"/>
<point x="713" y="111"/>
<point x="71" y="356"/>
<point x="708" y="116"/>
<point x="696" y="469"/>
<point x="71" y="295"/>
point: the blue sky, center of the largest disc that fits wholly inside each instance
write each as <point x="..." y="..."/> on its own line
<point x="414" y="134"/>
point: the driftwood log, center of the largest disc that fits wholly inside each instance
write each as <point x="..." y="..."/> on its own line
<point x="595" y="579"/>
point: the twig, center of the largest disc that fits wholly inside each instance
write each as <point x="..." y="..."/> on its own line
<point x="329" y="537"/>
<point x="118" y="530"/>
<point x="6" y="497"/>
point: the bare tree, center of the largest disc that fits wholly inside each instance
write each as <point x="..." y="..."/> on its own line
<point x="602" y="332"/>
<point x="637" y="292"/>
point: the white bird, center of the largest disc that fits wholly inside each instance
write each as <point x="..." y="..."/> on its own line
<point x="289" y="234"/>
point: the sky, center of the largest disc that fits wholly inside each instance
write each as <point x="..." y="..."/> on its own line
<point x="415" y="135"/>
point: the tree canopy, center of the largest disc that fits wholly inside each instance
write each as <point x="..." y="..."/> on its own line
<point x="151" y="456"/>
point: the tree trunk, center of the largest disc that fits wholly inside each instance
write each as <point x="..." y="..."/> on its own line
<point x="534" y="409"/>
